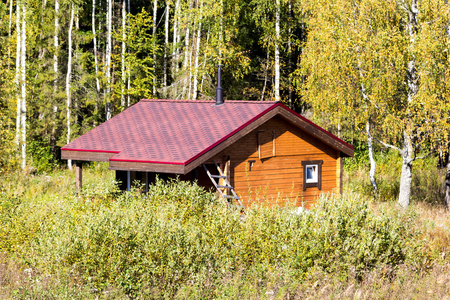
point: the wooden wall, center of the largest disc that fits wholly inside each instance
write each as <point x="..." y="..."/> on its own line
<point x="278" y="179"/>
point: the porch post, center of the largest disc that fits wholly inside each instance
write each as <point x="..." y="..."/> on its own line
<point x="79" y="176"/>
<point x="128" y="181"/>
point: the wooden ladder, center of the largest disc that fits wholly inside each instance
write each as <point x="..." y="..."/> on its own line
<point x="225" y="187"/>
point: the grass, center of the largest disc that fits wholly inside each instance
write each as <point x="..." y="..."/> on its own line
<point x="178" y="242"/>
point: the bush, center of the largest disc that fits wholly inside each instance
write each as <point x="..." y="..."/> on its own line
<point x="180" y="241"/>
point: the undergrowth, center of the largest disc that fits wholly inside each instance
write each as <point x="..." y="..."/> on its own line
<point x="179" y="241"/>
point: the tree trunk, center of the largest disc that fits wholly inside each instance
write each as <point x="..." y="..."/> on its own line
<point x="205" y="59"/>
<point x="166" y="46"/>
<point x="447" y="182"/>
<point x="265" y="76"/>
<point x="97" y="80"/>
<point x="23" y="84"/>
<point x="55" y="82"/>
<point x="18" y="69"/>
<point x="128" y="65"/>
<point x="68" y="79"/>
<point x="447" y="175"/>
<point x="186" y="60"/>
<point x="122" y="97"/>
<point x="277" y="52"/>
<point x="197" y="53"/>
<point x="155" y="11"/>
<point x="413" y="87"/>
<point x="373" y="164"/>
<point x="290" y="52"/>
<point x="221" y="32"/>
<point x="108" y="59"/>
<point x="406" y="175"/>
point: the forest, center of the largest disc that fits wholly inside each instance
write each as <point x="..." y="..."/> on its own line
<point x="371" y="72"/>
<point x="375" y="73"/>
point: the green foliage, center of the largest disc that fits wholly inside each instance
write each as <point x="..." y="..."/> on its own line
<point x="179" y="240"/>
<point x="343" y="234"/>
<point x="40" y="153"/>
<point x="427" y="181"/>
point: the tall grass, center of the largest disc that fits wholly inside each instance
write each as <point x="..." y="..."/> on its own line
<point x="179" y="241"/>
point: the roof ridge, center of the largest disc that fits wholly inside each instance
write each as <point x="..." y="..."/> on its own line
<point x="206" y="101"/>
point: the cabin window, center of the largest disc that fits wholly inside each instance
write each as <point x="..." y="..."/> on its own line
<point x="312" y="174"/>
<point x="266" y="144"/>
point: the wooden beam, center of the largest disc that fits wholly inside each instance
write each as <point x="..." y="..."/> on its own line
<point x="79" y="177"/>
<point x="86" y="155"/>
<point x="146" y="167"/>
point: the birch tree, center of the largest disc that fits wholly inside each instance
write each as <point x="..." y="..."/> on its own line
<point x="108" y="58"/>
<point x="277" y="51"/>
<point x="122" y="95"/>
<point x="68" y="81"/>
<point x="155" y="13"/>
<point x="23" y="113"/>
<point x="363" y="65"/>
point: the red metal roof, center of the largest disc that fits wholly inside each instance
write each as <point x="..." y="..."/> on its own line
<point x="172" y="131"/>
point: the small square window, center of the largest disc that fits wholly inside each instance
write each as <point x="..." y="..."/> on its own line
<point x="312" y="174"/>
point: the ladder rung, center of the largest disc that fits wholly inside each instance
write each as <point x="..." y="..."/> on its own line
<point x="224" y="187"/>
<point x="230" y="196"/>
<point x="218" y="176"/>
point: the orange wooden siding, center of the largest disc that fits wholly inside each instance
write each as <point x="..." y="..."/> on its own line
<point x="278" y="179"/>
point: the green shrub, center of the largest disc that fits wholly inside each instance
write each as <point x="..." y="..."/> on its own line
<point x="344" y="234"/>
<point x="178" y="240"/>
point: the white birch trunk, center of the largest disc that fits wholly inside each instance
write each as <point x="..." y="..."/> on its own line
<point x="406" y="175"/>
<point x="23" y="84"/>
<point x="447" y="176"/>
<point x="197" y="53"/>
<point x="186" y="59"/>
<point x="56" y="43"/>
<point x="166" y="46"/>
<point x="55" y="70"/>
<point x="108" y="59"/>
<point x="221" y="32"/>
<point x="175" y="36"/>
<point x="205" y="58"/>
<point x="18" y="69"/>
<point x="277" y="52"/>
<point x="373" y="164"/>
<point x="265" y="76"/>
<point x="128" y="67"/>
<point x="155" y="11"/>
<point x="68" y="79"/>
<point x="194" y="42"/>
<point x="122" y="97"/>
<point x="413" y="87"/>
<point x="290" y="52"/>
<point x="176" y="40"/>
<point x="97" y="81"/>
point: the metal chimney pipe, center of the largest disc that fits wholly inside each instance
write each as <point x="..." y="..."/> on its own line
<point x="219" y="90"/>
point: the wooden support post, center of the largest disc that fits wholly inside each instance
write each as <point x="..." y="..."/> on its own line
<point x="226" y="172"/>
<point x="128" y="181"/>
<point x="79" y="177"/>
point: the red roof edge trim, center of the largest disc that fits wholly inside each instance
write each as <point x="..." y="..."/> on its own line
<point x="315" y="125"/>
<point x="88" y="150"/>
<point x="147" y="161"/>
<point x="231" y="134"/>
<point x="205" y="101"/>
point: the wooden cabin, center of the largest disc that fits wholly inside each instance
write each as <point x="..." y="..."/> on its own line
<point x="266" y="151"/>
